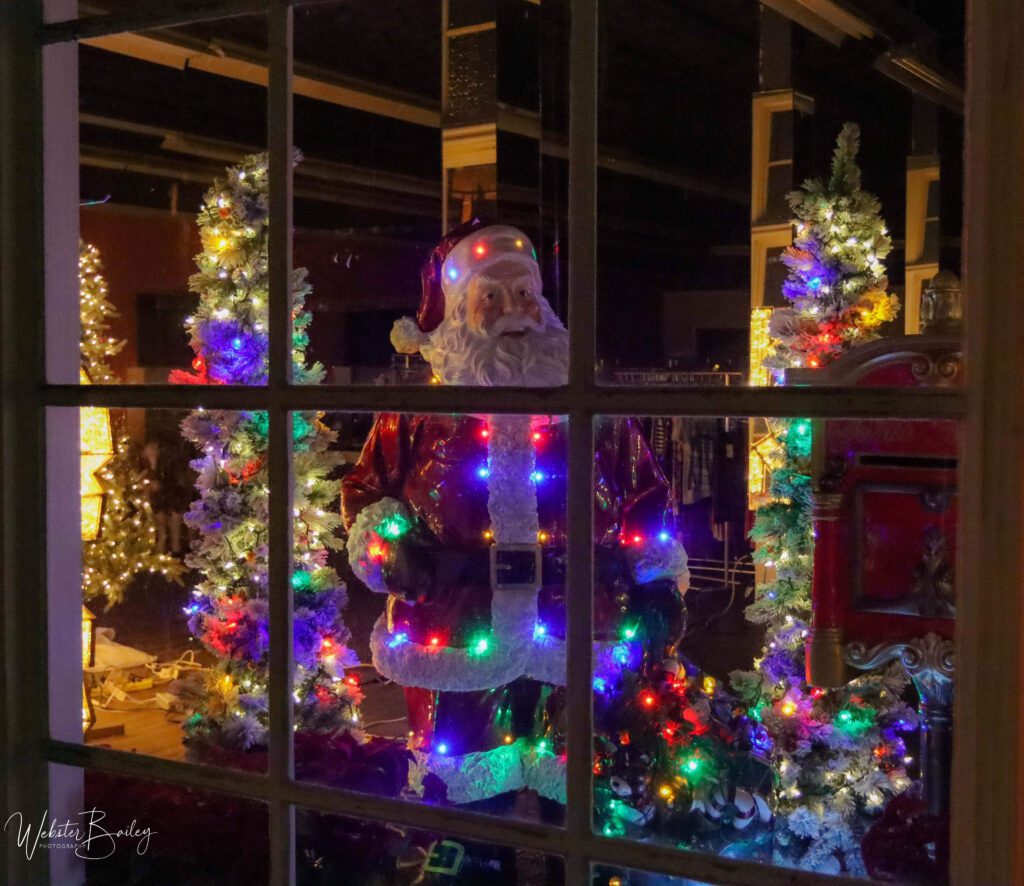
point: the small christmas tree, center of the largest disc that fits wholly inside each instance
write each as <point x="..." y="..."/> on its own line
<point x="95" y="309"/>
<point x="838" y="754"/>
<point x="836" y="283"/>
<point x="126" y="543"/>
<point x="230" y="608"/>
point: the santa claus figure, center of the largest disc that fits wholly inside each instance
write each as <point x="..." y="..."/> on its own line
<point x="461" y="521"/>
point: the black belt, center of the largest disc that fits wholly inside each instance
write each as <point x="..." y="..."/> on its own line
<point x="455" y="567"/>
<point x="474" y="567"/>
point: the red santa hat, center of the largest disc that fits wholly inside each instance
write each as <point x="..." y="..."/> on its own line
<point x="463" y="253"/>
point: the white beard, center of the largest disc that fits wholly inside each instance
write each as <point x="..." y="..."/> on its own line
<point x="461" y="356"/>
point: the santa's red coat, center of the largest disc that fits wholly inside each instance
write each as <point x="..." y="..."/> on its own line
<point x="432" y="464"/>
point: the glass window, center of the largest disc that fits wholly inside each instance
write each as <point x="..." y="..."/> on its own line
<point x="796" y="189"/>
<point x="172" y="125"/>
<point x="454" y="648"/>
<point x="772" y="673"/>
<point x="342" y="849"/>
<point x="503" y="441"/>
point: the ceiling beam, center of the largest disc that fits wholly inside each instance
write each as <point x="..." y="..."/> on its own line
<point x="825" y="18"/>
<point x="238" y="63"/>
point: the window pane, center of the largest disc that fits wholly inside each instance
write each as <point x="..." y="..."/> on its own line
<point x="713" y="119"/>
<point x="173" y="217"/>
<point x="352" y="852"/>
<point x="425" y="215"/>
<point x="173" y="574"/>
<point x="793" y="704"/>
<point x="159" y="832"/>
<point x="452" y="546"/>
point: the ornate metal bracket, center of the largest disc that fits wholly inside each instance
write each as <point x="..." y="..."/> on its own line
<point x="928" y="661"/>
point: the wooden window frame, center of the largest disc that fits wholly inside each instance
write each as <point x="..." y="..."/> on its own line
<point x="988" y="790"/>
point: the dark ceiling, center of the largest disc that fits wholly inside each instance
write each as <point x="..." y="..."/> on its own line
<point x="676" y="78"/>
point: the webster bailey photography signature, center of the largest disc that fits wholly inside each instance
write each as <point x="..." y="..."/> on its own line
<point x="88" y="837"/>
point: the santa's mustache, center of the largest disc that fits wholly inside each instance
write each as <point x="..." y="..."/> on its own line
<point x="508" y="323"/>
<point x="461" y="355"/>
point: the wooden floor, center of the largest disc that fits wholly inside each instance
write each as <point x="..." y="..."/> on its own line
<point x="157" y="733"/>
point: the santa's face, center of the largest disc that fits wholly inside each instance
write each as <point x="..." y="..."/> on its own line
<point x="500" y="331"/>
<point x="503" y="301"/>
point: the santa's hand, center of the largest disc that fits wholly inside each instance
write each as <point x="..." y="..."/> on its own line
<point x="407" y="569"/>
<point x="388" y="552"/>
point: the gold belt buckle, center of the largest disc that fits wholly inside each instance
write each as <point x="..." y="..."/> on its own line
<point x="515" y="567"/>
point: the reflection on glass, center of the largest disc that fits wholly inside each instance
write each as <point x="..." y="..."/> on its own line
<point x="352" y="852"/>
<point x="170" y="834"/>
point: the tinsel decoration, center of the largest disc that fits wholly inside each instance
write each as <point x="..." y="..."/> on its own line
<point x="229" y="610"/>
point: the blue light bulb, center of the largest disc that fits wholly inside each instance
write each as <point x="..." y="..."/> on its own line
<point x="482" y="473"/>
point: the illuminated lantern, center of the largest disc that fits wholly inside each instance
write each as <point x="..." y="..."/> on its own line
<point x="97" y="448"/>
<point x="88" y="659"/>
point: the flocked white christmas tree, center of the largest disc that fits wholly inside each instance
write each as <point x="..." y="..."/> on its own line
<point x="229" y="612"/>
